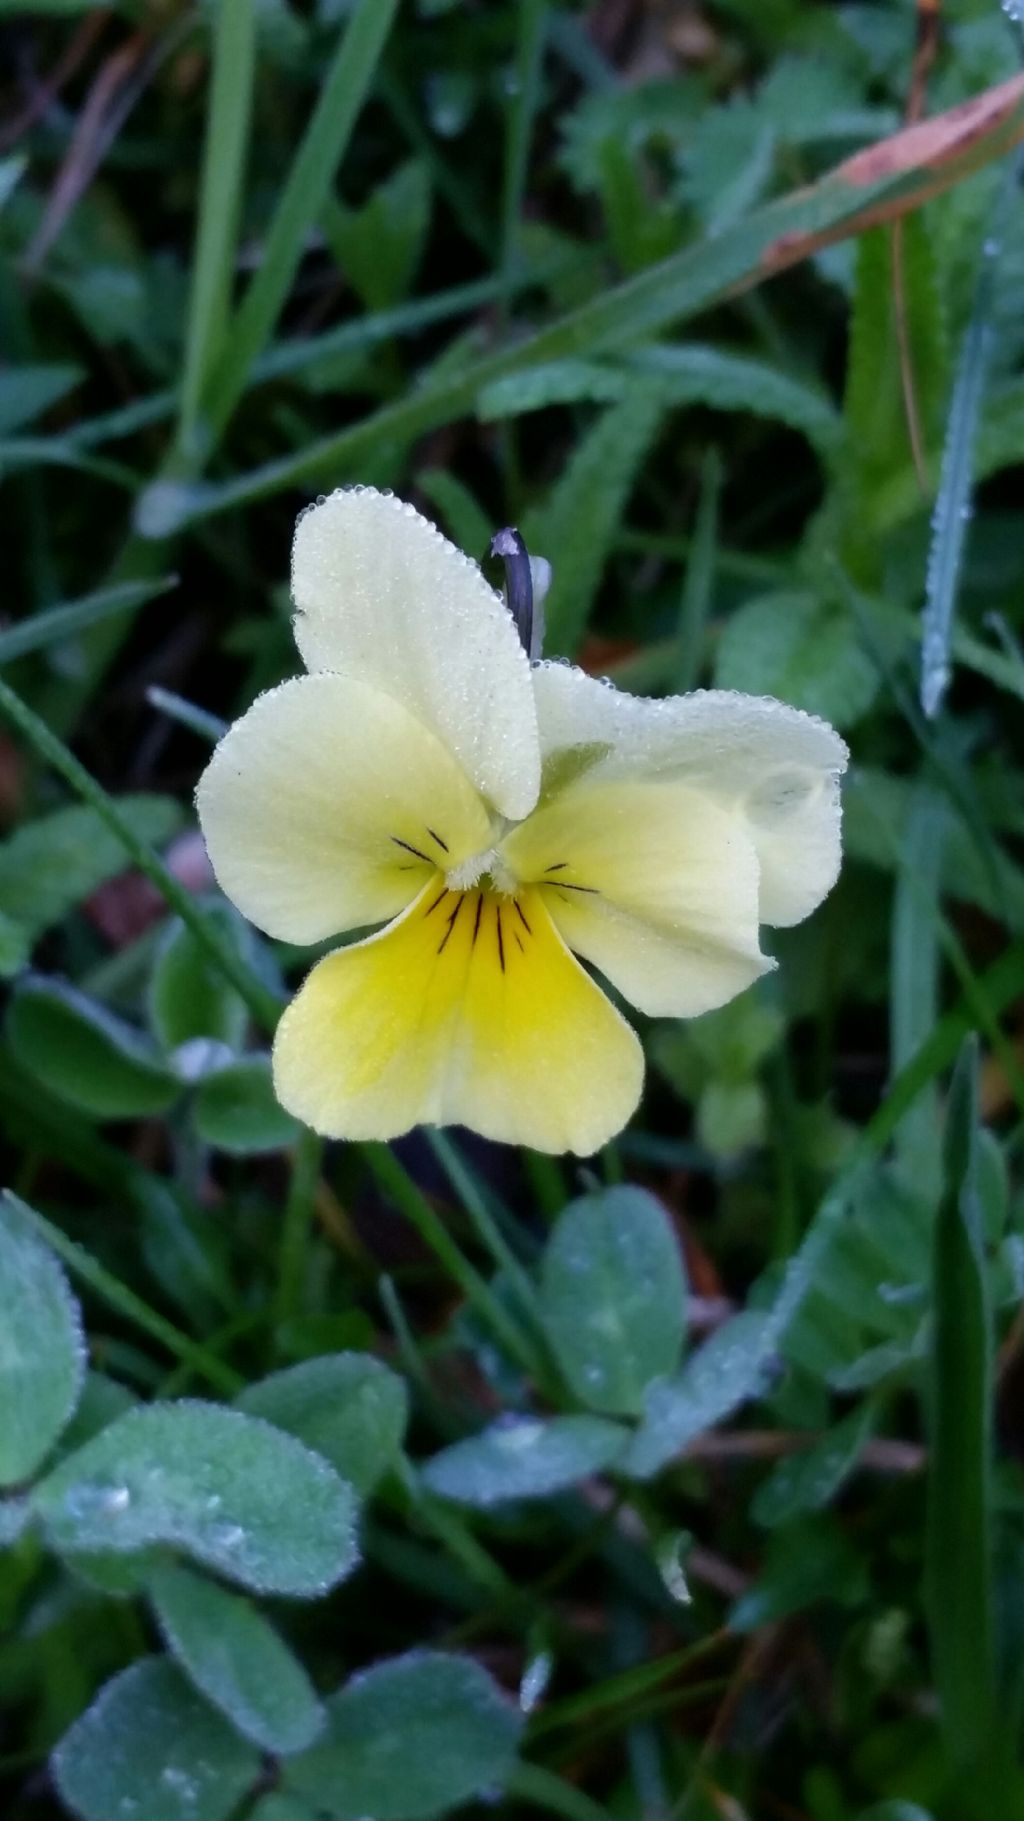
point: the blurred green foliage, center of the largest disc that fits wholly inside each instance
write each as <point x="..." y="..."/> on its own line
<point x="342" y="1481"/>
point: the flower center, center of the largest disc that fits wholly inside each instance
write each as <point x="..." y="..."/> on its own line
<point x="488" y="865"/>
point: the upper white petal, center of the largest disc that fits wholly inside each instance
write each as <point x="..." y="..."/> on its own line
<point x="381" y="596"/>
<point x="777" y="765"/>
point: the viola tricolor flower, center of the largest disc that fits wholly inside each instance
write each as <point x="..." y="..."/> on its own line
<point x="495" y="823"/>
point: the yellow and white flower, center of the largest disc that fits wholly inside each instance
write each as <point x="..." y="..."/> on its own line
<point x="498" y="819"/>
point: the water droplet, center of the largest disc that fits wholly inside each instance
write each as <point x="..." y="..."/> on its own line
<point x="536" y="1677"/>
<point x="227" y="1536"/>
<point x="181" y="1783"/>
<point x="514" y="1432"/>
<point x="85" y="1502"/>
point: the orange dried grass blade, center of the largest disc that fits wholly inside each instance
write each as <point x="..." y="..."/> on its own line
<point x="948" y="147"/>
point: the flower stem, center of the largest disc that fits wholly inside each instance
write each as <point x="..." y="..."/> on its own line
<point x="298" y="1220"/>
<point x="410" y="1200"/>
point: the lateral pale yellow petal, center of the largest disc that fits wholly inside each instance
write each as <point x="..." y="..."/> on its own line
<point x="467" y="1010"/>
<point x="776" y="765"/>
<point x="327" y="806"/>
<point x="653" y="882"/>
<point x="382" y="596"/>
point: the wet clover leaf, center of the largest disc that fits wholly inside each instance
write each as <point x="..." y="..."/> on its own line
<point x="347" y="1406"/>
<point x="524" y="1457"/>
<point x="42" y="1354"/>
<point x="236" y="1659"/>
<point x="207" y="1481"/>
<point x="411" y="1737"/>
<point x="614" y="1297"/>
<point x="149" y="1749"/>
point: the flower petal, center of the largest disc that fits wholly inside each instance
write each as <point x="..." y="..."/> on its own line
<point x="653" y="882"/>
<point x="327" y="806"/>
<point x="382" y="596"/>
<point x="466" y="1010"/>
<point x="778" y="766"/>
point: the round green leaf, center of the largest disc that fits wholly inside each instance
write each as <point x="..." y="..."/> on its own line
<point x="188" y="994"/>
<point x="236" y="1659"/>
<point x="410" y="1737"/>
<point x="42" y="1353"/>
<point x="84" y="1054"/>
<point x="614" y="1294"/>
<point x="236" y="1110"/>
<point x="524" y="1457"/>
<point x="346" y="1406"/>
<point x="802" y="649"/>
<point x="148" y="1749"/>
<point x="225" y="1488"/>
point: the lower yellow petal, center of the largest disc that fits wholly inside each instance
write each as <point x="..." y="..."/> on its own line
<point x="653" y="882"/>
<point x="468" y="1010"/>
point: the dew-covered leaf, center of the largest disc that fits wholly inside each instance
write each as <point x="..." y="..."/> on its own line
<point x="809" y="1481"/>
<point x="236" y="1659"/>
<point x="727" y="1370"/>
<point x="236" y="1110"/>
<point x="614" y="1295"/>
<point x="42" y="1354"/>
<point x="411" y="1737"/>
<point x="85" y="1054"/>
<point x="188" y="994"/>
<point x="148" y="1749"/>
<point x="524" y="1457"/>
<point x="346" y="1406"/>
<point x="227" y="1489"/>
<point x="802" y="649"/>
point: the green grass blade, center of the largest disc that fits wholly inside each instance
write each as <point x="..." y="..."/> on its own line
<point x="410" y="1200"/>
<point x="959" y="1521"/>
<point x="953" y="505"/>
<point x="296" y="354"/>
<point x="207" y="727"/>
<point x="46" y="745"/>
<point x="224" y="162"/>
<point x="308" y="183"/>
<point x="539" y="1788"/>
<point x="530" y="54"/>
<point x="62" y="622"/>
<point x="698" y="585"/>
<point x="915" y="951"/>
<point x="577" y="527"/>
<point x="673" y="291"/>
